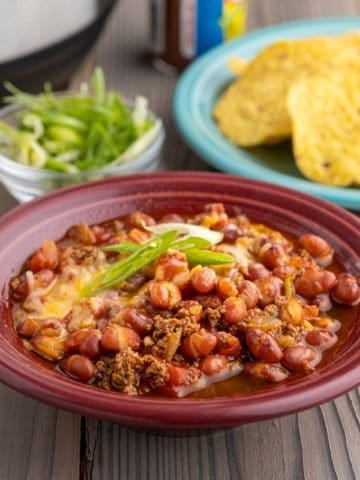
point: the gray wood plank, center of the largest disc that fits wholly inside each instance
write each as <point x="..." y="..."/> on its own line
<point x="37" y="442"/>
<point x="315" y="444"/>
<point x="6" y="201"/>
<point x="268" y="12"/>
<point x="308" y="445"/>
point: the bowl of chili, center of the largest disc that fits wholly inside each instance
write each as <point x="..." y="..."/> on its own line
<point x="290" y="350"/>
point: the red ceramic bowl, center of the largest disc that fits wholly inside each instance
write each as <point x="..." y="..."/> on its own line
<point x="24" y="228"/>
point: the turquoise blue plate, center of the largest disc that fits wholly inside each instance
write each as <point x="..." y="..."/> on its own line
<point x="200" y="86"/>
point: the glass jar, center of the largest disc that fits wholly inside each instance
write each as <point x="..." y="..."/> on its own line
<point x="181" y="30"/>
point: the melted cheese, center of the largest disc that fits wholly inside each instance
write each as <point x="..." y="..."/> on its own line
<point x="62" y="297"/>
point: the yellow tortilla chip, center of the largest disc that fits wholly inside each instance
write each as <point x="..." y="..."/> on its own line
<point x="237" y="65"/>
<point x="253" y="111"/>
<point x="326" y="127"/>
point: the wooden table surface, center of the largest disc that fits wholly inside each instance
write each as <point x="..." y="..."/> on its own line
<point x="38" y="442"/>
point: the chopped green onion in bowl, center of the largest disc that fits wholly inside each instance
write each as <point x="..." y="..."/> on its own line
<point x="77" y="133"/>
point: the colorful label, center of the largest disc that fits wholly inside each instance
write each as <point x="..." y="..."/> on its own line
<point x="233" y="20"/>
<point x="204" y="24"/>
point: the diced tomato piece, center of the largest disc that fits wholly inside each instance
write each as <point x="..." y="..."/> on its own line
<point x="180" y="376"/>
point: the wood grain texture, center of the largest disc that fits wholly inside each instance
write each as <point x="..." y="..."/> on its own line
<point x="321" y="443"/>
<point x="6" y="201"/>
<point x="268" y="12"/>
<point x="38" y="442"/>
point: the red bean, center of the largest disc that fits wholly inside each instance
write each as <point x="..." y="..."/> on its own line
<point x="312" y="282"/>
<point x="87" y="342"/>
<point x="164" y="294"/>
<point x="140" y="219"/>
<point x="172" y="266"/>
<point x="299" y="358"/>
<point x="250" y="293"/>
<point x="228" y="345"/>
<point x="257" y="270"/>
<point x="116" y="338"/>
<point x="19" y="288"/>
<point x="231" y="232"/>
<point x="315" y="245"/>
<point x="133" y="339"/>
<point x="263" y="346"/>
<point x="28" y="328"/>
<point x="138" y="320"/>
<point x="321" y="338"/>
<point x="265" y="372"/>
<point x="90" y="345"/>
<point x="198" y="344"/>
<point x="226" y="288"/>
<point x="235" y="310"/>
<point x="203" y="279"/>
<point x="283" y="271"/>
<point x="213" y="364"/>
<point x="273" y="256"/>
<point x="101" y="234"/>
<point x="79" y="367"/>
<point x="269" y="288"/>
<point x="102" y="323"/>
<point x="72" y="343"/>
<point x="347" y="289"/>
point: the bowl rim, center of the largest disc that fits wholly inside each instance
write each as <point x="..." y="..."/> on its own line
<point x="9" y="166"/>
<point x="183" y="413"/>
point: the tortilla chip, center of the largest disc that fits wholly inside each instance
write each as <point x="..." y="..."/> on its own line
<point x="237" y="65"/>
<point x="326" y="127"/>
<point x="253" y="110"/>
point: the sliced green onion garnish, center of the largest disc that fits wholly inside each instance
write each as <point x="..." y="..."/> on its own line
<point x="123" y="269"/>
<point x="207" y="257"/>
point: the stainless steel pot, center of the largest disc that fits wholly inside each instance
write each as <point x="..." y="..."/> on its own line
<point x="45" y="40"/>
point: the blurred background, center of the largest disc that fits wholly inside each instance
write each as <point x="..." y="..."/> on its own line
<point x="45" y="41"/>
<point x="48" y="41"/>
